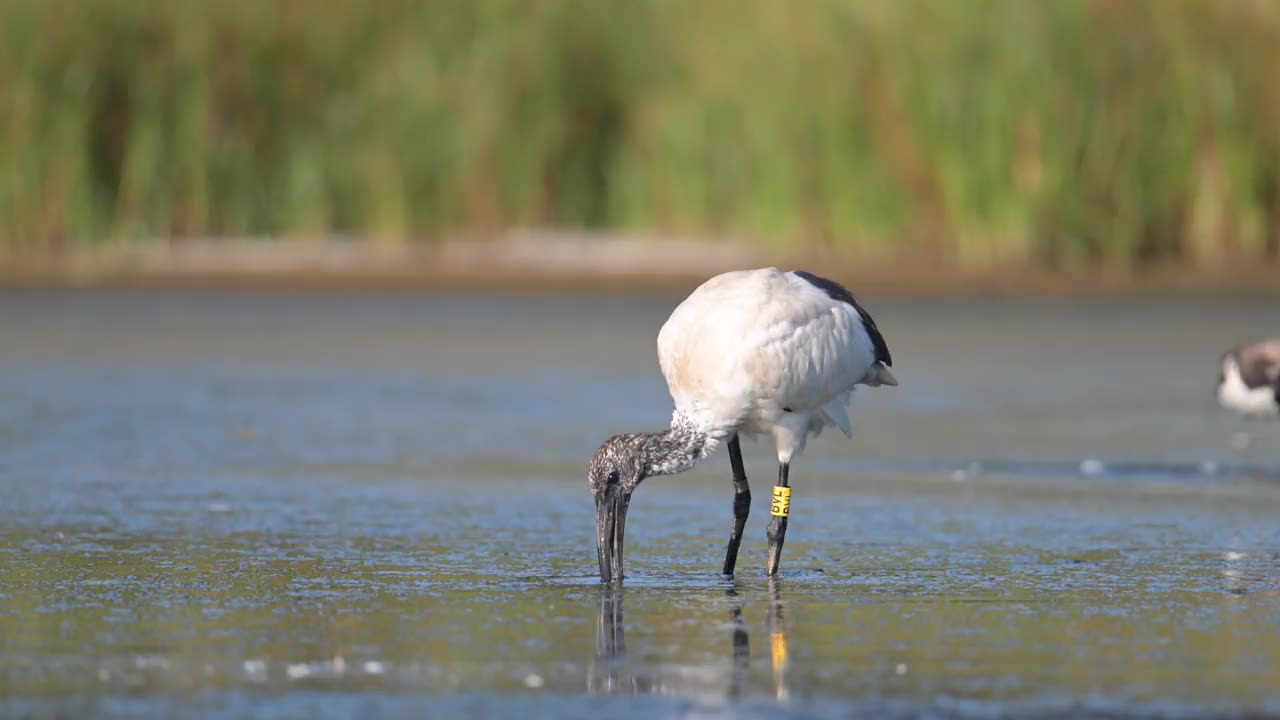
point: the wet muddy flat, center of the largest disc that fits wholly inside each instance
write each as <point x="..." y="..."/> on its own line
<point x="297" y="504"/>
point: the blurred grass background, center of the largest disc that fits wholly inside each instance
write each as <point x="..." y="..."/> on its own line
<point x="1063" y="132"/>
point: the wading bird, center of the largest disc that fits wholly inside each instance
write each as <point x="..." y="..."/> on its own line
<point x="1249" y="378"/>
<point x="748" y="352"/>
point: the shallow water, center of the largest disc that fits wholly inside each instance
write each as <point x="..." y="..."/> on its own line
<point x="292" y="504"/>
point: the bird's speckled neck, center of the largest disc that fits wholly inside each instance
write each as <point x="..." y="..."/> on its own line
<point x="677" y="449"/>
<point x="642" y="455"/>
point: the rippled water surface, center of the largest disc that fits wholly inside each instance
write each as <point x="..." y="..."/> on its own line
<point x="310" y="505"/>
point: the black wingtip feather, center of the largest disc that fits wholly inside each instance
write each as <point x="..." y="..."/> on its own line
<point x="840" y="293"/>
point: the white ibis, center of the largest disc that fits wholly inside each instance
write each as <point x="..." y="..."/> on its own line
<point x="1249" y="378"/>
<point x="748" y="352"/>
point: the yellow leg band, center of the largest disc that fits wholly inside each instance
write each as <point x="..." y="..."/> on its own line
<point x="781" y="505"/>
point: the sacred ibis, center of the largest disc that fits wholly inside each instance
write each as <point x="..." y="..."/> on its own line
<point x="749" y="352"/>
<point x="1249" y="378"/>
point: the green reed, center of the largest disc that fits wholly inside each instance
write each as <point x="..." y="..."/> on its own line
<point x="1062" y="132"/>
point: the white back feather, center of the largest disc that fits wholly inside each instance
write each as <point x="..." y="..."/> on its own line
<point x="747" y="344"/>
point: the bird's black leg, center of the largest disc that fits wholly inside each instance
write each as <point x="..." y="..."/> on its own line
<point x="741" y="505"/>
<point x="779" y="510"/>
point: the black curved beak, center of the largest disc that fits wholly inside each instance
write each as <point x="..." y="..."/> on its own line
<point x="611" y="520"/>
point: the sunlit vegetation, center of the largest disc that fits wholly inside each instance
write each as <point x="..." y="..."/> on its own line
<point x="1112" y="132"/>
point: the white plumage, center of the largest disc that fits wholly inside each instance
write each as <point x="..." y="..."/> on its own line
<point x="748" y="352"/>
<point x="1249" y="378"/>
<point x="767" y="351"/>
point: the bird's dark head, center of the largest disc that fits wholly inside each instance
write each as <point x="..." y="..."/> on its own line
<point x="617" y="462"/>
<point x="613" y="474"/>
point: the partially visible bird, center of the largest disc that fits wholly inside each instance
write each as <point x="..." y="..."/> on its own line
<point x="748" y="352"/>
<point x="1249" y="378"/>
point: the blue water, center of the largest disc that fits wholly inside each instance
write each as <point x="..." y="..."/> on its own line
<point x="322" y="504"/>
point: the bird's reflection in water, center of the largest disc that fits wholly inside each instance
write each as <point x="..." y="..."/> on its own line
<point x="777" y="640"/>
<point x="1247" y="573"/>
<point x="1235" y="581"/>
<point x="610" y="672"/>
<point x="741" y="643"/>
